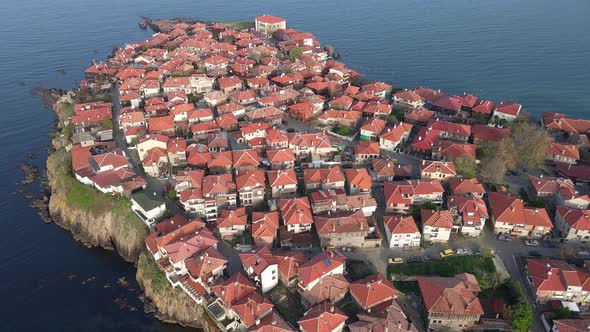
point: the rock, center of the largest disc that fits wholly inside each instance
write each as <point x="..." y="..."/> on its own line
<point x="48" y="97"/>
<point x="167" y="303"/>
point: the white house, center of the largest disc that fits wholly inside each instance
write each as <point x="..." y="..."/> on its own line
<point x="201" y="83"/>
<point x="401" y="231"/>
<point x="573" y="224"/>
<point x="391" y="138"/>
<point x="148" y="205"/>
<point x="262" y="267"/>
<point x="437" y="225"/>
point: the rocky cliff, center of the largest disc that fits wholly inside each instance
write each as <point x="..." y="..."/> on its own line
<point x="94" y="219"/>
<point x="169" y="304"/>
<point x="98" y="219"/>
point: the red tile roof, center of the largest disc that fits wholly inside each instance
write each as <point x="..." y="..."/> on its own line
<point x="233" y="289"/>
<point x="372" y="291"/>
<point x="252" y="308"/>
<point x="398" y="224"/>
<point x="323" y="175"/>
<point x="575" y="218"/>
<point x="323" y="317"/>
<point x="320" y="265"/>
<point x="245" y="158"/>
<point x="556" y="275"/>
<point x="461" y="186"/>
<point x="295" y="211"/>
<point x="435" y="166"/>
<point x="565" y="150"/>
<point x="265" y="224"/>
<point x="437" y="218"/>
<point x="450" y="295"/>
<point x="282" y="177"/>
<point x="269" y="19"/>
<point x="359" y="177"/>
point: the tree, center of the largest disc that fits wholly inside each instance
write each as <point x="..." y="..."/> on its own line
<point x="171" y="195"/>
<point x="563" y="313"/>
<point x="167" y="214"/>
<point x="530" y="141"/>
<point x="492" y="170"/>
<point x="294" y="53"/>
<point x="465" y="166"/>
<point x="522" y="317"/>
<point x="329" y="49"/>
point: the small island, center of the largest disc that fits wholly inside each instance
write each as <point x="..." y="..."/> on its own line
<point x="259" y="184"/>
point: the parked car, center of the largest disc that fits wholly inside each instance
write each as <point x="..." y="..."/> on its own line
<point x="531" y="243"/>
<point x="396" y="260"/>
<point x="550" y="244"/>
<point x="428" y="258"/>
<point x="285" y="122"/>
<point x="535" y="253"/>
<point x="446" y="253"/>
<point x="460" y="251"/>
<point x="291" y="130"/>
<point x="415" y="259"/>
<point x="504" y="237"/>
<point x="583" y="253"/>
<point x="345" y="166"/>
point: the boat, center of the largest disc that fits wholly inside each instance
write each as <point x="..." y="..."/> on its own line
<point x="143" y="24"/>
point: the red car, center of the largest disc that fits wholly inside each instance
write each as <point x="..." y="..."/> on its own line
<point x="285" y="122"/>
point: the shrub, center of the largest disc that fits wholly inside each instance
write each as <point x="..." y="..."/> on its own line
<point x="482" y="266"/>
<point x="341" y="130"/>
<point x="522" y="317"/>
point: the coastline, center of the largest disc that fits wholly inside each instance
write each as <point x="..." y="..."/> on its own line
<point x="109" y="224"/>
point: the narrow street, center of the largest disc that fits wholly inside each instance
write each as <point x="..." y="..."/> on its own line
<point x="119" y="138"/>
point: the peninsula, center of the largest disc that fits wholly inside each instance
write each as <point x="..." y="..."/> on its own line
<point x="259" y="184"/>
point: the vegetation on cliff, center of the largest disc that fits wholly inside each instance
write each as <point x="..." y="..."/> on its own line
<point x="169" y="304"/>
<point x="94" y="218"/>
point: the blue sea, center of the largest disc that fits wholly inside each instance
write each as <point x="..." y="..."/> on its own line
<point x="535" y="52"/>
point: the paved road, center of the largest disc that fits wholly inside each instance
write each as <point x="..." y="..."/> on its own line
<point x="121" y="142"/>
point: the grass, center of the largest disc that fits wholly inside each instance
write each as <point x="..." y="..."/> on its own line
<point x="238" y="25"/>
<point x="68" y="109"/>
<point x="148" y="268"/>
<point x="80" y="195"/>
<point x="341" y="130"/>
<point x="482" y="266"/>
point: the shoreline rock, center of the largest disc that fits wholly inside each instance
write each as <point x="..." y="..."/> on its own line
<point x="110" y="224"/>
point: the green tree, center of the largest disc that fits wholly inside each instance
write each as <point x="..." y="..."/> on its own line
<point x="563" y="313"/>
<point x="171" y="195"/>
<point x="167" y="214"/>
<point x="465" y="166"/>
<point x="522" y="317"/>
<point x="294" y="53"/>
<point x="530" y="141"/>
<point x="107" y="123"/>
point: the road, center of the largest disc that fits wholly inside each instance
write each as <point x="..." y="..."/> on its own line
<point x="119" y="138"/>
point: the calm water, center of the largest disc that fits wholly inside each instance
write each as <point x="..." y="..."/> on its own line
<point x="532" y="51"/>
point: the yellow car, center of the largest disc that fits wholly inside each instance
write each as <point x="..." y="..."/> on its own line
<point x="446" y="253"/>
<point x="396" y="260"/>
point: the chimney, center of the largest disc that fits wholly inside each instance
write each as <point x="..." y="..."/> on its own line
<point x="331" y="308"/>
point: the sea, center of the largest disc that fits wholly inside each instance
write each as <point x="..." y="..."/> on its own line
<point x="535" y="52"/>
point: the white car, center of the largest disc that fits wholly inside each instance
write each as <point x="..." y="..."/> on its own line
<point x="531" y="243"/>
<point x="460" y="251"/>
